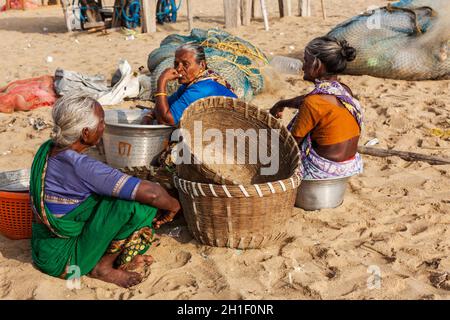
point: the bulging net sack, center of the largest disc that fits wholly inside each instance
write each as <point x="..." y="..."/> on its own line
<point x="406" y="40"/>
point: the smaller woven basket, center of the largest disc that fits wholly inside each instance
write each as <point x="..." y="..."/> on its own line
<point x="237" y="216"/>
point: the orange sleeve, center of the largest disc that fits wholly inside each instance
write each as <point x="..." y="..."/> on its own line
<point x="307" y="119"/>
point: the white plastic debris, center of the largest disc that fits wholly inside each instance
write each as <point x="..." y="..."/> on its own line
<point x="372" y="142"/>
<point x="291" y="47"/>
<point x="49" y="59"/>
<point x="175" y="232"/>
<point x="45" y="29"/>
<point x="76" y="41"/>
<point x="286" y="65"/>
<point x="130" y="37"/>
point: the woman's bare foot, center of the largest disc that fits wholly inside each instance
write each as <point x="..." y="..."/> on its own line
<point x="104" y="271"/>
<point x="138" y="262"/>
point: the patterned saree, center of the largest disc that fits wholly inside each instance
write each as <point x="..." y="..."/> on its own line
<point x="99" y="225"/>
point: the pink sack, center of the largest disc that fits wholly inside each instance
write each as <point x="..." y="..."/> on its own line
<point x="29" y="94"/>
<point x="15" y="4"/>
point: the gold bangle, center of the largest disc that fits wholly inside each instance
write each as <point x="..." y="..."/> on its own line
<point x="160" y="94"/>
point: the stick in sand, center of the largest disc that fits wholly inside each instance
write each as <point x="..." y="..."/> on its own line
<point x="264" y="13"/>
<point x="324" y="12"/>
<point x="408" y="156"/>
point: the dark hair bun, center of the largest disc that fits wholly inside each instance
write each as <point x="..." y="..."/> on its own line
<point x="348" y="52"/>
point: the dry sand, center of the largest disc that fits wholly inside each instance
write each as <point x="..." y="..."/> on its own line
<point x="395" y="215"/>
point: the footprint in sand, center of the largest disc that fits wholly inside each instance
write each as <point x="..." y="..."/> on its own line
<point x="5" y="287"/>
<point x="182" y="259"/>
<point x="418" y="228"/>
<point x="171" y="282"/>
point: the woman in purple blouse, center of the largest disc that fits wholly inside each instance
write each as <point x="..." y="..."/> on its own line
<point x="89" y="216"/>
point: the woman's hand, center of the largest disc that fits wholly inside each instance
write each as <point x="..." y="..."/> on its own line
<point x="277" y="109"/>
<point x="164" y="218"/>
<point x="153" y="194"/>
<point x="168" y="75"/>
<point x="149" y="117"/>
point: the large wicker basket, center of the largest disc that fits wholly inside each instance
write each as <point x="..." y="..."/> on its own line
<point x="222" y="114"/>
<point x="234" y="204"/>
<point x="238" y="216"/>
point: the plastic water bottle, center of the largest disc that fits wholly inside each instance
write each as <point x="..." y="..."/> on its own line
<point x="286" y="65"/>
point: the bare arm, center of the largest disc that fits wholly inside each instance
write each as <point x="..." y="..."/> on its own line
<point x="278" y="108"/>
<point x="293" y="103"/>
<point x="153" y="194"/>
<point x="162" y="108"/>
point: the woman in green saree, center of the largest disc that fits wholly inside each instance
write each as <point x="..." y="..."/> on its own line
<point x="88" y="215"/>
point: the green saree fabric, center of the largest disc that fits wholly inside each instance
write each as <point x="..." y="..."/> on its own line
<point x="82" y="236"/>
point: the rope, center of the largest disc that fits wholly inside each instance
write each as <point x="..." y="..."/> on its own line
<point x="232" y="45"/>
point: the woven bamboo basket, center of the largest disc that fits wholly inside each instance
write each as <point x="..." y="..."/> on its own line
<point x="234" y="204"/>
<point x="222" y="114"/>
<point x="237" y="216"/>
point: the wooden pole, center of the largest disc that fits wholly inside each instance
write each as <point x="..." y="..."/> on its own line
<point x="190" y="14"/>
<point x="256" y="9"/>
<point x="246" y="9"/>
<point x="116" y="15"/>
<point x="265" y="15"/>
<point x="304" y="7"/>
<point x="324" y="12"/>
<point x="408" y="156"/>
<point x="285" y="8"/>
<point x="149" y="16"/>
<point x="232" y="15"/>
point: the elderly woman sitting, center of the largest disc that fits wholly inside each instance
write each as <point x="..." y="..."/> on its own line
<point x="329" y="118"/>
<point x="89" y="216"/>
<point x="197" y="81"/>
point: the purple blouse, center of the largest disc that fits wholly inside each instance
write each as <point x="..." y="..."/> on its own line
<point x="72" y="177"/>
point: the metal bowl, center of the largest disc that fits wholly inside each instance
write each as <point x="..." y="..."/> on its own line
<point x="321" y="194"/>
<point x="15" y="181"/>
<point x="127" y="143"/>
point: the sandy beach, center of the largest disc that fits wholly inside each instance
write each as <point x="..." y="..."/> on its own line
<point x="395" y="217"/>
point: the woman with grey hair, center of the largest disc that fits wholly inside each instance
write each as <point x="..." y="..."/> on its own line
<point x="90" y="218"/>
<point x="329" y="119"/>
<point x="197" y="82"/>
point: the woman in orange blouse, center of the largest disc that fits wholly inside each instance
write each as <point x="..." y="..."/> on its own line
<point x="329" y="118"/>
